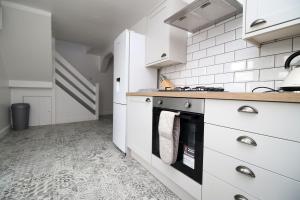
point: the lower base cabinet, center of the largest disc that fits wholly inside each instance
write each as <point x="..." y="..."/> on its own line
<point x="215" y="189"/>
<point x="139" y="126"/>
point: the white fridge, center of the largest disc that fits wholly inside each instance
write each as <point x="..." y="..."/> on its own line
<point x="130" y="75"/>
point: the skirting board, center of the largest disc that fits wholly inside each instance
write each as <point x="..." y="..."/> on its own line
<point x="4" y="131"/>
<point x="182" y="194"/>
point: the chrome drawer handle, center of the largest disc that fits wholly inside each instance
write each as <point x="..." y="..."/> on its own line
<point x="245" y="170"/>
<point x="239" y="197"/>
<point x="248" y="109"/>
<point x="258" y="22"/>
<point x="148" y="100"/>
<point x="246" y="140"/>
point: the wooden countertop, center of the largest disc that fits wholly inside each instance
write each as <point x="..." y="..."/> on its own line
<point x="272" y="97"/>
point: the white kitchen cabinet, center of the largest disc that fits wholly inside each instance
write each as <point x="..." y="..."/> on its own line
<point x="266" y="20"/>
<point x="215" y="189"/>
<point x="165" y="45"/>
<point x="139" y="126"/>
<point x="40" y="110"/>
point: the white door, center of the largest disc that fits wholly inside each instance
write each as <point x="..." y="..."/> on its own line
<point x="270" y="13"/>
<point x="139" y="126"/>
<point x="157" y="35"/>
<point x="45" y="111"/>
<point x="40" y="110"/>
<point x="119" y="126"/>
<point x="121" y="65"/>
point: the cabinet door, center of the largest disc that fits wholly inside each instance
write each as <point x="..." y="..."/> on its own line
<point x="139" y="126"/>
<point x="157" y="45"/>
<point x="40" y="110"/>
<point x="270" y="13"/>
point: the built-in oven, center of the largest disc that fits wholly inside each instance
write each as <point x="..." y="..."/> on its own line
<point x="190" y="149"/>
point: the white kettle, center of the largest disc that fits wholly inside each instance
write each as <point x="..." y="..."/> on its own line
<point x="292" y="81"/>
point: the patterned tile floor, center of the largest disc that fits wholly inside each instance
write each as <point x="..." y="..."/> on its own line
<point x="70" y="162"/>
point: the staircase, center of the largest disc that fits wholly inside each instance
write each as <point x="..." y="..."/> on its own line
<point x="76" y="98"/>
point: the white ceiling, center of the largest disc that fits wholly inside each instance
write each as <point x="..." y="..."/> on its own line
<point x="92" y="22"/>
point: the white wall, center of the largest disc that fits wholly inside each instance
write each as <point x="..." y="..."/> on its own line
<point x="4" y="96"/>
<point x="26" y="43"/>
<point x="219" y="57"/>
<point x="89" y="66"/>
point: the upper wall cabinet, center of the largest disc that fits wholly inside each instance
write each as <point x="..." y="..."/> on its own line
<point x="165" y="45"/>
<point x="266" y="20"/>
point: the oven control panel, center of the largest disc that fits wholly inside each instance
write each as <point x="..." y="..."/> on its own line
<point x="180" y="104"/>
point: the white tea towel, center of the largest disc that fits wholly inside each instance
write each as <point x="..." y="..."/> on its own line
<point x="169" y="131"/>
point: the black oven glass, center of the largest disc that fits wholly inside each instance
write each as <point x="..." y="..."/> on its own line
<point x="190" y="151"/>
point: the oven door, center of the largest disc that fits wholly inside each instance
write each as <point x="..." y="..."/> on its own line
<point x="190" y="150"/>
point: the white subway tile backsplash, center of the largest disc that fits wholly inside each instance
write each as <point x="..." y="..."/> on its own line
<point x="273" y="74"/>
<point x="199" y="71"/>
<point x="234" y="24"/>
<point x="216" y="31"/>
<point x="219" y="57"/>
<point x="246" y="76"/>
<point x="215" y="50"/>
<point x="207" y="43"/>
<point x="192" y="64"/>
<point x="186" y="73"/>
<point x="235" y="87"/>
<point x="238" y="33"/>
<point x="215" y="69"/>
<point x="179" y="82"/>
<point x="199" y="37"/>
<point x="199" y="54"/>
<point x="189" y="57"/>
<point x="235" y="66"/>
<point x="205" y="80"/>
<point x="226" y="37"/>
<point x="192" y="81"/>
<point x="224" y="58"/>
<point x="235" y="45"/>
<point x="260" y="63"/>
<point x="296" y="44"/>
<point x="282" y="46"/>
<point x="193" y="48"/>
<point x="247" y="53"/>
<point x="224" y="78"/>
<point x="206" y="61"/>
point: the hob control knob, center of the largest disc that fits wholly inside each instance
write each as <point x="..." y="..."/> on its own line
<point x="187" y="105"/>
<point x="159" y="102"/>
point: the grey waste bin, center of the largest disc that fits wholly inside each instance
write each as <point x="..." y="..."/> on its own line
<point x="20" y="115"/>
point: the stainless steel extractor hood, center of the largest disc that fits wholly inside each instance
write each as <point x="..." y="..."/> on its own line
<point x="201" y="14"/>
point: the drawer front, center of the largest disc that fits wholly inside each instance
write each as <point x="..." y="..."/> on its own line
<point x="265" y="185"/>
<point x="258" y="152"/>
<point x="224" y="190"/>
<point x="274" y="119"/>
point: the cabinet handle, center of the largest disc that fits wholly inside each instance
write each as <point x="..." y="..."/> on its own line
<point x="258" y="22"/>
<point x="246" y="140"/>
<point x="245" y="170"/>
<point x="163" y="55"/>
<point x="239" y="197"/>
<point x="248" y="109"/>
<point x="148" y="100"/>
